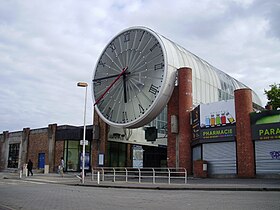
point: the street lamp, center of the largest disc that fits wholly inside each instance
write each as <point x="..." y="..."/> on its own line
<point x="84" y="84"/>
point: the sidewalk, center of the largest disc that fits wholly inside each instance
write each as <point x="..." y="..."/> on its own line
<point x="209" y="184"/>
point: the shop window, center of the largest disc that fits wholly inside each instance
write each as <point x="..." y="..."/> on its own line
<point x="13" y="155"/>
<point x="117" y="154"/>
<point x="72" y="151"/>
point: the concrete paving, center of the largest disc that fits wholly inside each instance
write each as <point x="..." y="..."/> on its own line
<point x="207" y="184"/>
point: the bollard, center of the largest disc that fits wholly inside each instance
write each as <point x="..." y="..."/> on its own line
<point x="20" y="174"/>
<point x="98" y="177"/>
<point x="46" y="169"/>
<point x="25" y="171"/>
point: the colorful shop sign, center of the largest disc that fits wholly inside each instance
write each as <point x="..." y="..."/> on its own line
<point x="265" y="125"/>
<point x="195" y="122"/>
<point x="213" y="121"/>
<point x="217" y="114"/>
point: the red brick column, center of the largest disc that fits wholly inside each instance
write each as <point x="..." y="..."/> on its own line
<point x="185" y="107"/>
<point x="52" y="128"/>
<point x="25" y="141"/>
<point x="172" y="109"/>
<point x="129" y="155"/>
<point x="245" y="147"/>
<point x="59" y="150"/>
<point x="100" y="145"/>
<point x="4" y="150"/>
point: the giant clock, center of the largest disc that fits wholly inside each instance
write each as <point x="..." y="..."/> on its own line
<point x="132" y="82"/>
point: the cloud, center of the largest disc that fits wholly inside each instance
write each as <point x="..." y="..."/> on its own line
<point x="47" y="47"/>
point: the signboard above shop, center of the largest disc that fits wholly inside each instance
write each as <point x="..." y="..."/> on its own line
<point x="215" y="121"/>
<point x="219" y="132"/>
<point x="217" y="114"/>
<point x="265" y="125"/>
<point x="195" y="116"/>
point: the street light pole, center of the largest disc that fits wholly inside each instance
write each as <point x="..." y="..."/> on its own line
<point x="84" y="84"/>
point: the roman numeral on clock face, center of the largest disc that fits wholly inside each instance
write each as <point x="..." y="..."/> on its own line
<point x="101" y="63"/>
<point x="109" y="113"/>
<point x="125" y="119"/>
<point x="142" y="110"/>
<point x="153" y="89"/>
<point x="112" y="46"/>
<point x="141" y="36"/>
<point x="159" y="66"/>
<point x="153" y="47"/>
<point x="127" y="37"/>
<point x="97" y="83"/>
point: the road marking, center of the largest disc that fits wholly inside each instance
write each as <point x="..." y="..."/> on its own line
<point x="10" y="183"/>
<point x="41" y="180"/>
<point x="5" y="207"/>
<point x="33" y="182"/>
<point x="16" y="182"/>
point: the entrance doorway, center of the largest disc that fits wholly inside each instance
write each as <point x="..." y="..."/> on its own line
<point x="41" y="160"/>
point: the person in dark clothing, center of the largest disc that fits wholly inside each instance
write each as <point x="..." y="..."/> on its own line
<point x="29" y="167"/>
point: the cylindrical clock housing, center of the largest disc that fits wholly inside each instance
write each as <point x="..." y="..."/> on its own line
<point x="135" y="75"/>
<point x="132" y="80"/>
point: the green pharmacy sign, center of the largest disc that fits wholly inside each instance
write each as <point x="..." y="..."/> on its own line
<point x="266" y="125"/>
<point x="266" y="131"/>
<point x="213" y="133"/>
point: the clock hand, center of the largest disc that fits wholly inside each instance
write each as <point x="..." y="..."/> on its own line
<point x="124" y="88"/>
<point x="108" y="88"/>
<point x="107" y="77"/>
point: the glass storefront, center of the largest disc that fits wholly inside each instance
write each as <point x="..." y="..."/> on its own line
<point x="116" y="154"/>
<point x="72" y="153"/>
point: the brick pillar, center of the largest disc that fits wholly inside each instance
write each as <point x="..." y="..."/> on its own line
<point x="129" y="155"/>
<point x="2" y="140"/>
<point x="245" y="147"/>
<point x="51" y="142"/>
<point x="185" y="107"/>
<point x="100" y="145"/>
<point x="4" y="150"/>
<point x="172" y="109"/>
<point x="25" y="143"/>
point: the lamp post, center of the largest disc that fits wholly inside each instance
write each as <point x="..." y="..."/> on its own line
<point x="84" y="84"/>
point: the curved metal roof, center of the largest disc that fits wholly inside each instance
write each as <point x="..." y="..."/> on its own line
<point x="209" y="83"/>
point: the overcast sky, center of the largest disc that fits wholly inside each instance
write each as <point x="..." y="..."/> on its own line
<point x="46" y="47"/>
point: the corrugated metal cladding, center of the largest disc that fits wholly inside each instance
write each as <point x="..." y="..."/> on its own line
<point x="209" y="83"/>
<point x="221" y="157"/>
<point x="267" y="157"/>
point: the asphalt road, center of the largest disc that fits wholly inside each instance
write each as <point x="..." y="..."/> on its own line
<point x="21" y="194"/>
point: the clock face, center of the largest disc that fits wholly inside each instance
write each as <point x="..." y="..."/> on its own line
<point x="129" y="77"/>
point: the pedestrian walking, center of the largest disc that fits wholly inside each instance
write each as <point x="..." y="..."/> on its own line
<point x="61" y="166"/>
<point x="29" y="167"/>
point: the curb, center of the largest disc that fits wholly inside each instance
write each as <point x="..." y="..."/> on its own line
<point x="200" y="187"/>
<point x="181" y="188"/>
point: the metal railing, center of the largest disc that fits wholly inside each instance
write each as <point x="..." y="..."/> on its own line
<point x="140" y="175"/>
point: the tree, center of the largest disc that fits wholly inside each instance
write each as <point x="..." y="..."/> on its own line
<point x="273" y="95"/>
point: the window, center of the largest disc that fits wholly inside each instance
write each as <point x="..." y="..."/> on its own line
<point x="117" y="154"/>
<point x="160" y="122"/>
<point x="13" y="155"/>
<point x="72" y="152"/>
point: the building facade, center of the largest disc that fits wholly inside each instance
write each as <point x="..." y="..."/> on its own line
<point x="198" y="83"/>
<point x="43" y="146"/>
<point x="233" y="139"/>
